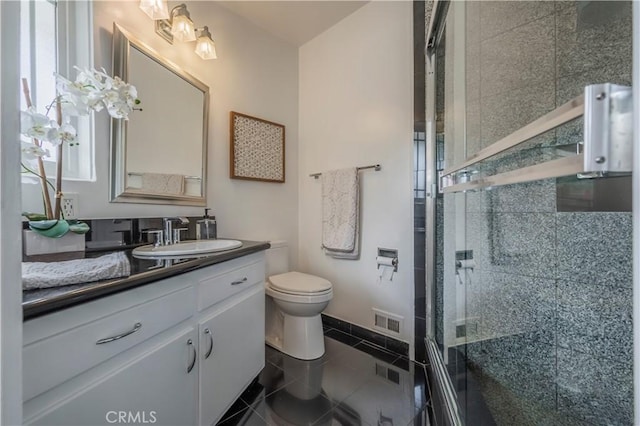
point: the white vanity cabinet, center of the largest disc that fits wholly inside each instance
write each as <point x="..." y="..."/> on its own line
<point x="186" y="348"/>
<point x="232" y="353"/>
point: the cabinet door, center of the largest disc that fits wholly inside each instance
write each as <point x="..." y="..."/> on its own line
<point x="231" y="353"/>
<point x="153" y="388"/>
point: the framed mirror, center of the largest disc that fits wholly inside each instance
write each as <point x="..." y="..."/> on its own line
<point x="159" y="155"/>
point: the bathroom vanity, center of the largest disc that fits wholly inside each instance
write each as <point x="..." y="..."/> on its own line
<point x="175" y="347"/>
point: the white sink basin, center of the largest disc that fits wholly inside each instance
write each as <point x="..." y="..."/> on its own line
<point x="187" y="248"/>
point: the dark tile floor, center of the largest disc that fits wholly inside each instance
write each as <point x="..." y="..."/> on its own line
<point x="354" y="383"/>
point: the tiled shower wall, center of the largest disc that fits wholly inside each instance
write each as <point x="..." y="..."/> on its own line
<point x="551" y="291"/>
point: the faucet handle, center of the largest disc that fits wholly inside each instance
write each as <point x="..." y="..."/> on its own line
<point x="159" y="236"/>
<point x="169" y="234"/>
<point x="176" y="234"/>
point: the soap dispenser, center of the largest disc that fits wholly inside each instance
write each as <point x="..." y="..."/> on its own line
<point x="206" y="227"/>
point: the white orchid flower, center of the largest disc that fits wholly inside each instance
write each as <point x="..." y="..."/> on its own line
<point x="111" y="96"/>
<point x="34" y="125"/>
<point x="119" y="110"/>
<point x="31" y="151"/>
<point x="64" y="133"/>
<point x="90" y="78"/>
<point x="68" y="88"/>
<point x="79" y="97"/>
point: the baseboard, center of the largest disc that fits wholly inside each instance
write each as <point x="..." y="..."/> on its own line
<point x="389" y="343"/>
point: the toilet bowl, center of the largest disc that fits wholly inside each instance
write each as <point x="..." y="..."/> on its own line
<point x="294" y="302"/>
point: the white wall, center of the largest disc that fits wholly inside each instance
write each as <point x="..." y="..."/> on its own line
<point x="356" y="108"/>
<point x="10" y="287"/>
<point x="255" y="74"/>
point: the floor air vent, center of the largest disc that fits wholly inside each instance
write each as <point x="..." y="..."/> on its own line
<point x="387" y="322"/>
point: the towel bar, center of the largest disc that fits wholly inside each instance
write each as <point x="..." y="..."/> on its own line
<point x="376" y="167"/>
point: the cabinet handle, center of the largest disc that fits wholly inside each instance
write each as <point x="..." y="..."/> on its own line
<point x="195" y="355"/>
<point x="137" y="326"/>
<point x="208" y="354"/>
<point x="239" y="281"/>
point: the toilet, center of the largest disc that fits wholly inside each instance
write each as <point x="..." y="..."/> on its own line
<point x="294" y="302"/>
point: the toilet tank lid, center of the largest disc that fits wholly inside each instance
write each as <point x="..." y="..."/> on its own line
<point x="299" y="283"/>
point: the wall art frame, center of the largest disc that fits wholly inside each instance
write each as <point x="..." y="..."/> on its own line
<point x="257" y="150"/>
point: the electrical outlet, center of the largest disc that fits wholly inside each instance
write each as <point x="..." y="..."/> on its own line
<point x="69" y="205"/>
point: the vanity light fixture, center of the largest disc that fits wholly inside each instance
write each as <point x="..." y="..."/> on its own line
<point x="178" y="25"/>
<point x="205" y="47"/>
<point x="155" y="9"/>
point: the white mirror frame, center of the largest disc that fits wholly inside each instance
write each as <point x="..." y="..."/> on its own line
<point x="122" y="42"/>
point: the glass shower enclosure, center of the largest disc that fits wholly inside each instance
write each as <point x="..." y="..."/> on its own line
<point x="531" y="286"/>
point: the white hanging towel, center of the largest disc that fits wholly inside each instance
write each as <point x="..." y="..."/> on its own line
<point x="341" y="213"/>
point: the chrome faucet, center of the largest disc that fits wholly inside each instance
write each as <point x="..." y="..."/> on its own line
<point x="172" y="236"/>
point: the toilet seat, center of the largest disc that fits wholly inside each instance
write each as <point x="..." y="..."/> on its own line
<point x="297" y="283"/>
<point x="298" y="298"/>
<point x="298" y="293"/>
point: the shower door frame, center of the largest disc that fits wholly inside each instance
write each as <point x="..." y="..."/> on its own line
<point x="636" y="211"/>
<point x="434" y="35"/>
<point x="441" y="381"/>
<point x="431" y="193"/>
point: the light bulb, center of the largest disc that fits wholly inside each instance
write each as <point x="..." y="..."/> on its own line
<point x="205" y="47"/>
<point x="182" y="28"/>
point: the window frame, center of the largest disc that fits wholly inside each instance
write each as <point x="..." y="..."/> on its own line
<point x="73" y="18"/>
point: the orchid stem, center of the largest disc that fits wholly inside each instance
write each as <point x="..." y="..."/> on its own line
<point x="58" y="195"/>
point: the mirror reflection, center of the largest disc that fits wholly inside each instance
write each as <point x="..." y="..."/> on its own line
<point x="158" y="156"/>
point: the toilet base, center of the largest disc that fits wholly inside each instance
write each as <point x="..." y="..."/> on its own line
<point x="274" y="342"/>
<point x="302" y="337"/>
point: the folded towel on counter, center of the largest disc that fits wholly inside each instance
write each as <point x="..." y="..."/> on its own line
<point x="341" y="213"/>
<point x="56" y="274"/>
<point x="160" y="183"/>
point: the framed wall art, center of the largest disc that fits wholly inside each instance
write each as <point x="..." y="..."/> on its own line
<point x="257" y="149"/>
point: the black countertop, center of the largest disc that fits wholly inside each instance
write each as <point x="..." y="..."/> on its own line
<point x="143" y="271"/>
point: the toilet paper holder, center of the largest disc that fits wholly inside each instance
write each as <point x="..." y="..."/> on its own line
<point x="387" y="257"/>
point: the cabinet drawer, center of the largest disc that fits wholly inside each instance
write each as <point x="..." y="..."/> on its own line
<point x="53" y="360"/>
<point x="214" y="289"/>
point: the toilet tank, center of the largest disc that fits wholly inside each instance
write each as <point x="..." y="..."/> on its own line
<point x="277" y="258"/>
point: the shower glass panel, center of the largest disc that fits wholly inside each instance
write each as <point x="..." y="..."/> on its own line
<point x="533" y="281"/>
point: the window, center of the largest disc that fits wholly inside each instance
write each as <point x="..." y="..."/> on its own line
<point x="57" y="35"/>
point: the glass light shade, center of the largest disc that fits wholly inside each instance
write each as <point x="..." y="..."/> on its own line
<point x="182" y="28"/>
<point x="205" y="47"/>
<point x="155" y="9"/>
